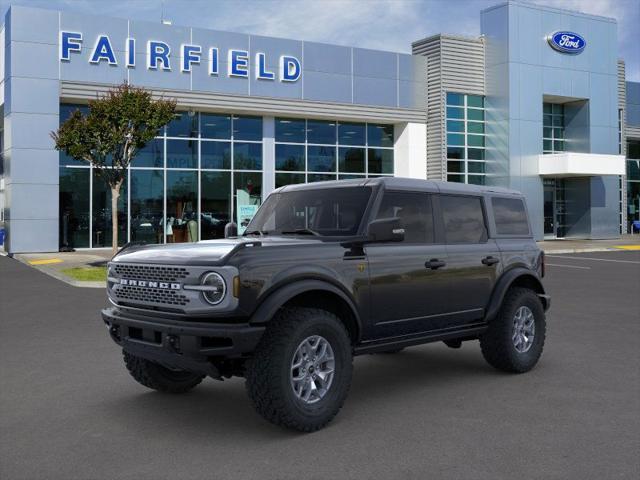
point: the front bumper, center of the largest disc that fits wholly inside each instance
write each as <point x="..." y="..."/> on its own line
<point x="186" y="345"/>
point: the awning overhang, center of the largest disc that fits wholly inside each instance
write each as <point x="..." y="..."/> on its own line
<point x="573" y="164"/>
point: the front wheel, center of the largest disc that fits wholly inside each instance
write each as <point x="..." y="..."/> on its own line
<point x="155" y="376"/>
<point x="300" y="372"/>
<point x="515" y="338"/>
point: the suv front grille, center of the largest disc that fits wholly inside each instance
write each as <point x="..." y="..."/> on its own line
<point x="151" y="272"/>
<point x="150" y="295"/>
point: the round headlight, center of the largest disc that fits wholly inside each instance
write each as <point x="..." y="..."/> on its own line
<point x="215" y="288"/>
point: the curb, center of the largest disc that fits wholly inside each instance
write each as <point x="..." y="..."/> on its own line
<point x="63" y="278"/>
<point x="581" y="250"/>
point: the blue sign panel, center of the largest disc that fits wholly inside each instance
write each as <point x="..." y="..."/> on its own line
<point x="567" y="42"/>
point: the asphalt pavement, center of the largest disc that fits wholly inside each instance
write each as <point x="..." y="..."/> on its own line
<point x="69" y="410"/>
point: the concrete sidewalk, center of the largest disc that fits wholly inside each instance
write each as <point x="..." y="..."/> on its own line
<point x="626" y="242"/>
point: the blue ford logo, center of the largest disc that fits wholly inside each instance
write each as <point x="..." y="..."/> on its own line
<point x="567" y="42"/>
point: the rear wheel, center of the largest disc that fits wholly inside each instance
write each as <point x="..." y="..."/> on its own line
<point x="515" y="338"/>
<point x="300" y="372"/>
<point x="155" y="376"/>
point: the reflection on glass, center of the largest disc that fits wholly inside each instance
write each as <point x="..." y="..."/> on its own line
<point x="380" y="161"/>
<point x="320" y="131"/>
<point x="247" y="128"/>
<point x="455" y="98"/>
<point x="455" y="139"/>
<point x="283" y="179"/>
<point x="184" y="124"/>
<point x="455" y="152"/>
<point x="247" y="156"/>
<point x="66" y="109"/>
<point x="314" y="177"/>
<point x="455" y="167"/>
<point x="351" y="133"/>
<point x="215" y="155"/>
<point x="290" y="130"/>
<point x="247" y="189"/>
<point x="151" y="155"/>
<point x="74" y="207"/>
<point x="290" y="157"/>
<point x="182" y="207"/>
<point x="182" y="153"/>
<point x="379" y="135"/>
<point x="215" y="204"/>
<point x="147" y="206"/>
<point x="101" y="215"/>
<point x="455" y="126"/>
<point x="321" y="159"/>
<point x="215" y="126"/>
<point x="351" y="160"/>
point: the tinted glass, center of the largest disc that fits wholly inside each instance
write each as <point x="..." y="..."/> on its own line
<point x="215" y="126"/>
<point x="463" y="219"/>
<point x="380" y="161"/>
<point x="455" y="139"/>
<point x="414" y="212"/>
<point x="215" y="155"/>
<point x="455" y="167"/>
<point x="475" y="153"/>
<point x="290" y="157"/>
<point x="318" y="177"/>
<point x="351" y="133"/>
<point x="319" y="131"/>
<point x="327" y="211"/>
<point x="455" y="126"/>
<point x="247" y="128"/>
<point x="633" y="149"/>
<point x="476" y="180"/>
<point x="215" y="203"/>
<point x="475" y="140"/>
<point x="380" y="135"/>
<point x="250" y="183"/>
<point x="455" y="98"/>
<point x="184" y="124"/>
<point x="152" y="155"/>
<point x="321" y="159"/>
<point x="455" y="178"/>
<point x="475" y="127"/>
<point x="283" y="179"/>
<point x="290" y="130"/>
<point x="477" y="115"/>
<point x="147" y="188"/>
<point x="455" y="152"/>
<point x="476" y="167"/>
<point x="101" y="215"/>
<point x="182" y="207"/>
<point x="247" y="156"/>
<point x="475" y="101"/>
<point x="510" y="215"/>
<point x="454" y="112"/>
<point x="633" y="169"/>
<point x="351" y="160"/>
<point x="66" y="109"/>
<point x="182" y="153"/>
<point x="74" y="207"/>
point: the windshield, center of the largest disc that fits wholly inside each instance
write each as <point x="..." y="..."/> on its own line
<point x="334" y="212"/>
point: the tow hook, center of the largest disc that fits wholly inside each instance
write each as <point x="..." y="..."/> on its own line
<point x="173" y="342"/>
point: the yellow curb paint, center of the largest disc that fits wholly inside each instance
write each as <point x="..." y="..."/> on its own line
<point x="628" y="247"/>
<point x="47" y="261"/>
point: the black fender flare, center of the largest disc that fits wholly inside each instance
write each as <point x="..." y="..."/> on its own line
<point x="503" y="284"/>
<point x="281" y="295"/>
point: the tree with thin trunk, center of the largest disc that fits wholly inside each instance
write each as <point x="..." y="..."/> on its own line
<point x="110" y="135"/>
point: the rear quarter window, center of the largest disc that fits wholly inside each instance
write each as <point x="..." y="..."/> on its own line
<point x="510" y="215"/>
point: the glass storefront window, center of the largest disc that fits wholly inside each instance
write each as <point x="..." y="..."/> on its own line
<point x="455" y="98"/>
<point x="455" y="126"/>
<point x="290" y="130"/>
<point x="379" y="135"/>
<point x="455" y="113"/>
<point x="633" y="182"/>
<point x="283" y="179"/>
<point x="74" y="207"/>
<point x="351" y="133"/>
<point x="315" y="177"/>
<point x="102" y="232"/>
<point x="380" y="161"/>
<point x="290" y="157"/>
<point x="152" y="155"/>
<point x="247" y="128"/>
<point x="321" y="159"/>
<point x="215" y="126"/>
<point x="552" y="128"/>
<point x="247" y="156"/>
<point x="320" y="131"/>
<point x="215" y="155"/>
<point x="215" y="203"/>
<point x="147" y="193"/>
<point x="182" y="206"/>
<point x="185" y="124"/>
<point x="182" y="154"/>
<point x="66" y="109"/>
<point x="351" y="160"/>
<point x="251" y="184"/>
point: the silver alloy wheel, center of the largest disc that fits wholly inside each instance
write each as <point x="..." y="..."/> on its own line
<point x="312" y="369"/>
<point x="524" y="329"/>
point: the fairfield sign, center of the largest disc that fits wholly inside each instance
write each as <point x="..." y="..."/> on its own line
<point x="159" y="56"/>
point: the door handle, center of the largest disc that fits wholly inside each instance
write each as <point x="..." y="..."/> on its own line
<point x="434" y="264"/>
<point x="488" y="261"/>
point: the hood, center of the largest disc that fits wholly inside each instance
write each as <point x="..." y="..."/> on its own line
<point x="206" y="252"/>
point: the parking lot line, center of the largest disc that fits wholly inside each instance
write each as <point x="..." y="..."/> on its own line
<point x="628" y="247"/>
<point x="568" y="266"/>
<point x="47" y="261"/>
<point x="591" y="258"/>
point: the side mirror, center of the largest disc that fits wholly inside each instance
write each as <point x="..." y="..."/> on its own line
<point x="385" y="230"/>
<point x="230" y="230"/>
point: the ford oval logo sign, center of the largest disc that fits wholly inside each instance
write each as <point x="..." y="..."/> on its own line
<point x="567" y="42"/>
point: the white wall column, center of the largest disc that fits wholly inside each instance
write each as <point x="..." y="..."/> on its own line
<point x="268" y="156"/>
<point x="410" y="150"/>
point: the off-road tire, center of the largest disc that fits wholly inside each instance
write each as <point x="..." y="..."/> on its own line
<point x="496" y="343"/>
<point x="268" y="373"/>
<point x="157" y="377"/>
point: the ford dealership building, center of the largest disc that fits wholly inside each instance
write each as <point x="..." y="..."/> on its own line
<point x="538" y="103"/>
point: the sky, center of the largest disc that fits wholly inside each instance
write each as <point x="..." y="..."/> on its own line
<point x="378" y="24"/>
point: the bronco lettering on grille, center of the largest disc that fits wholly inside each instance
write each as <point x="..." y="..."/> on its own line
<point x="150" y="284"/>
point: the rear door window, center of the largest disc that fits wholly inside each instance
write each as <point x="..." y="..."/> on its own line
<point x="414" y="211"/>
<point x="463" y="219"/>
<point x="510" y="215"/>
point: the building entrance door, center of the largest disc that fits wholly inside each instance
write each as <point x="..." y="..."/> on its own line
<point x="555" y="208"/>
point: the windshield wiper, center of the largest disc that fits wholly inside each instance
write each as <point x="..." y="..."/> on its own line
<point x="300" y="231"/>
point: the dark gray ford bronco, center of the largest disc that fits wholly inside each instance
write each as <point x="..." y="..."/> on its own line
<point x="324" y="272"/>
